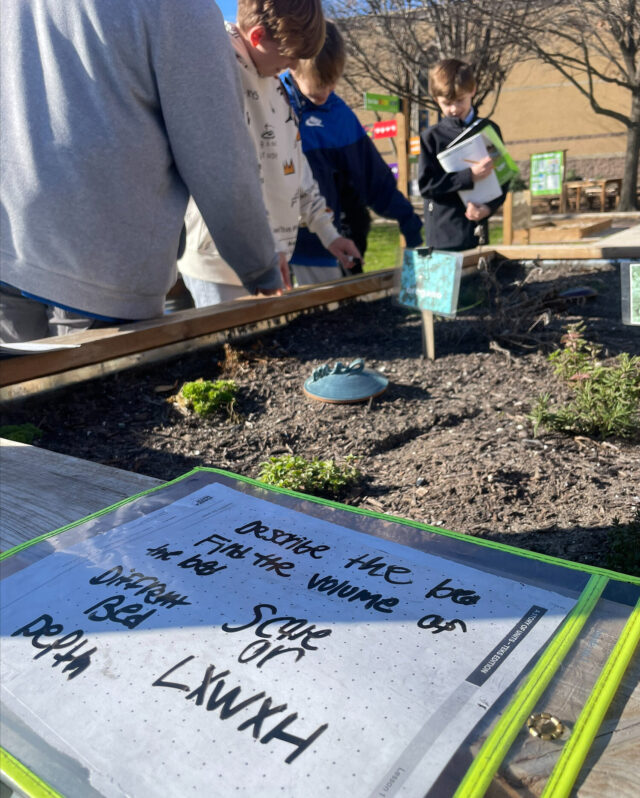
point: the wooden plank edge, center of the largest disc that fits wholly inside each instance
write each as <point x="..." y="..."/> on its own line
<point x="103" y="368"/>
<point x="599" y="251"/>
<point x="194" y="325"/>
<point x="114" y="342"/>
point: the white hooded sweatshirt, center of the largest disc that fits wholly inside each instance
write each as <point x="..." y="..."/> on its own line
<point x="289" y="190"/>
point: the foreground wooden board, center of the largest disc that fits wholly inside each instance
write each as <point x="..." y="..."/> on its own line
<point x="41" y="490"/>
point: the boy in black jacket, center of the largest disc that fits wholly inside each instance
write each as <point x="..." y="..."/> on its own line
<point x="448" y="223"/>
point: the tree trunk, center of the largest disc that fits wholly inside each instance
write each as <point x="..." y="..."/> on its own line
<point x="629" y="190"/>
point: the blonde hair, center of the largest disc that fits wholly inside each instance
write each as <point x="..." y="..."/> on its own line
<point x="450" y="78"/>
<point x="296" y="25"/>
<point x="327" y="66"/>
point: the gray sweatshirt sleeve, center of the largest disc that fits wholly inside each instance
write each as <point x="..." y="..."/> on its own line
<point x="201" y="104"/>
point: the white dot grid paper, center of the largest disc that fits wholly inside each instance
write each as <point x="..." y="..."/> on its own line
<point x="198" y="698"/>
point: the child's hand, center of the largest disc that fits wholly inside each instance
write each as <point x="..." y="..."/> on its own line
<point x="345" y="251"/>
<point x="283" y="265"/>
<point x="482" y="168"/>
<point x="477" y="212"/>
<point x="284" y="270"/>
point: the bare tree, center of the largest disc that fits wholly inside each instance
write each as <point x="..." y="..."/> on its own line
<point x="594" y="44"/>
<point x="394" y="42"/>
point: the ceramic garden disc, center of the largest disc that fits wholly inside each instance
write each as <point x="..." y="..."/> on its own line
<point x="343" y="384"/>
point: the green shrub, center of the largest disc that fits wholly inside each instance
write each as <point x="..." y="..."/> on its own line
<point x="518" y="183"/>
<point x="322" y="478"/>
<point x="205" y="397"/>
<point x="21" y="433"/>
<point x="624" y="546"/>
<point x="606" y="399"/>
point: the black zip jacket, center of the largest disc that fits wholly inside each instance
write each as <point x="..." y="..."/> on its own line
<point x="445" y="225"/>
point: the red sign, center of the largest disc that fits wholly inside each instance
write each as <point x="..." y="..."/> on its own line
<point x="385" y="130"/>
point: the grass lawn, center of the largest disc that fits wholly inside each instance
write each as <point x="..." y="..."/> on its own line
<point x="383" y="247"/>
<point x="495" y="232"/>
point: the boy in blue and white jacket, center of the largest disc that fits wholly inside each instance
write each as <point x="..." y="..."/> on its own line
<point x="339" y="152"/>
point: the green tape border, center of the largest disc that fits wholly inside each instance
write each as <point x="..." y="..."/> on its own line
<point x="490" y="544"/>
<point x="24" y="779"/>
<point x="574" y="753"/>
<point x="495" y="747"/>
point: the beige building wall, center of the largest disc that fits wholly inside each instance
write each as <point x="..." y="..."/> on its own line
<point x="539" y="111"/>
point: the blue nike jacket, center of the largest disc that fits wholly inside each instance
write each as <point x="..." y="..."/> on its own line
<point x="339" y="151"/>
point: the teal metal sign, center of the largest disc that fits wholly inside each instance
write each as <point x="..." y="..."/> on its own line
<point x="630" y="285"/>
<point x="431" y="281"/>
<point x="634" y="290"/>
<point x="381" y="102"/>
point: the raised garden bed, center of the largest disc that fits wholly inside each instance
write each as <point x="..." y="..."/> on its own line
<point x="449" y="443"/>
<point x="559" y="232"/>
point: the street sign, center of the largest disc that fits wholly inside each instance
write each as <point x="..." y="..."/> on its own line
<point x="385" y="130"/>
<point x="381" y="102"/>
<point x="414" y="145"/>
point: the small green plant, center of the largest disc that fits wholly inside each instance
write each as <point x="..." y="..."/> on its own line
<point x="606" y="399"/>
<point x="323" y="478"/>
<point x="624" y="546"/>
<point x="206" y="397"/>
<point x="21" y="433"/>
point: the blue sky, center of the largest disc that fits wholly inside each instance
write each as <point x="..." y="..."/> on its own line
<point x="228" y="8"/>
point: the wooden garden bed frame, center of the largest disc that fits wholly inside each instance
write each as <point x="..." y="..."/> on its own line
<point x="111" y="349"/>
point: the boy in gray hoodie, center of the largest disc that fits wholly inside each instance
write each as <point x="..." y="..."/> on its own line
<point x="113" y="114"/>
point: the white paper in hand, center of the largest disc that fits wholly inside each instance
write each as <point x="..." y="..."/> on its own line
<point x="463" y="156"/>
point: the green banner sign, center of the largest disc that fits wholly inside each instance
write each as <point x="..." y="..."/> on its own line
<point x="547" y="172"/>
<point x="381" y="102"/>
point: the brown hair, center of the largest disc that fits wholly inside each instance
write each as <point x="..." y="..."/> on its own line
<point x="327" y="66"/>
<point x="450" y="78"/>
<point x="296" y="25"/>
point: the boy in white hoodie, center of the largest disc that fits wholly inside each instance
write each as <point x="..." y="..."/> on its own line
<point x="270" y="35"/>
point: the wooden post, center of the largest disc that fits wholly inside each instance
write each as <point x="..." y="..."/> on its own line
<point x="428" y="336"/>
<point x="563" y="198"/>
<point x="403" y="147"/>
<point x="507" y="219"/>
<point x="563" y="187"/>
<point x="404" y="131"/>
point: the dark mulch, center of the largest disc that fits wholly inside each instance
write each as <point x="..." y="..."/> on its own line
<point x="448" y="444"/>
